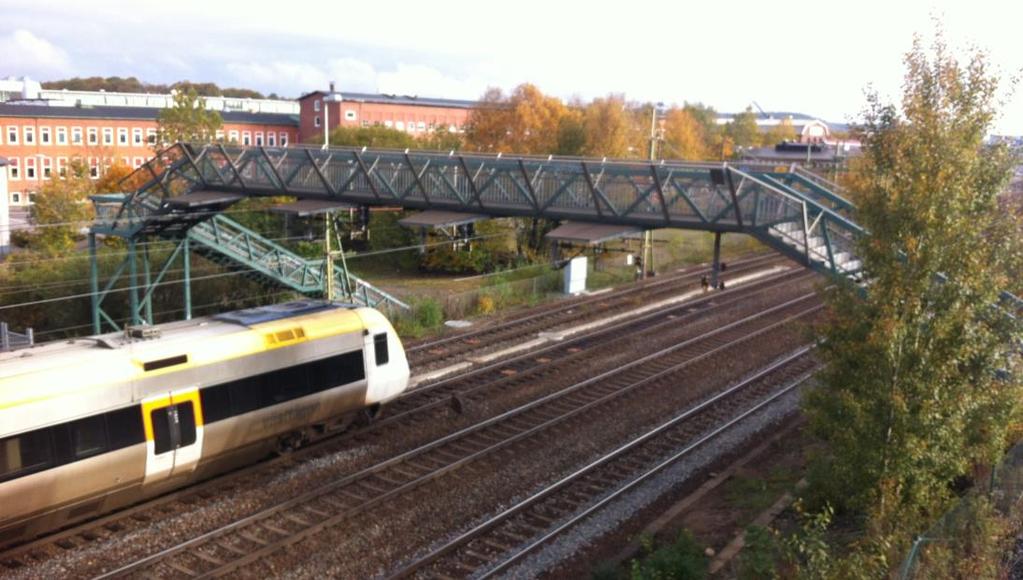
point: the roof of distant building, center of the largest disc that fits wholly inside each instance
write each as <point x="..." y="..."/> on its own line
<point x="32" y="109"/>
<point x="393" y="99"/>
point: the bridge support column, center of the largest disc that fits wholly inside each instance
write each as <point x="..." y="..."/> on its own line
<point x="133" y="283"/>
<point x="186" y="264"/>
<point x="716" y="266"/>
<point x="94" y="283"/>
<point x="647" y="251"/>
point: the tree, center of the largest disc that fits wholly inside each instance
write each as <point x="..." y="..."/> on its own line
<point x="783" y="131"/>
<point x="743" y="130"/>
<point x="685" y="136"/>
<point x="373" y="136"/>
<point x="527" y="121"/>
<point x="62" y="209"/>
<point x="921" y="380"/>
<point x="188" y="120"/>
<point x="609" y="128"/>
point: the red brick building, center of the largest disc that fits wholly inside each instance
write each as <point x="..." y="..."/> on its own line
<point x="39" y="140"/>
<point x="417" y="116"/>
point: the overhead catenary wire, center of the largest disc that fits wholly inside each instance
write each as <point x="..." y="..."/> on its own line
<point x="218" y="275"/>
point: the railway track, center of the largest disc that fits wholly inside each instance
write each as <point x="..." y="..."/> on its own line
<point x="438" y="351"/>
<point x="495" y="545"/>
<point x="255" y="537"/>
<point x="506" y="375"/>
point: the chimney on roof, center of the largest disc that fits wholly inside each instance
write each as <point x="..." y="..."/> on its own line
<point x="332" y="86"/>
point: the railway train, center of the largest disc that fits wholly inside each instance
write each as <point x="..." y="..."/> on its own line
<point x="94" y="424"/>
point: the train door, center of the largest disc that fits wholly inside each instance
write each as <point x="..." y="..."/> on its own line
<point x="174" y="433"/>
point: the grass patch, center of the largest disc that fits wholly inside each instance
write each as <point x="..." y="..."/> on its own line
<point x="755" y="494"/>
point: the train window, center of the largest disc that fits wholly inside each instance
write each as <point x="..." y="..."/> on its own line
<point x="28" y="451"/>
<point x="287" y="384"/>
<point x="124" y="426"/>
<point x="380" y="348"/>
<point x="162" y="430"/>
<point x="89" y="436"/>
<point x="186" y="423"/>
<point x="216" y="403"/>
<point x="246" y="395"/>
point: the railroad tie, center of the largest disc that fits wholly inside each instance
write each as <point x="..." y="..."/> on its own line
<point x="275" y="529"/>
<point x="231" y="548"/>
<point x="208" y="558"/>
<point x="252" y="538"/>
<point x="297" y="519"/>
<point x="182" y="568"/>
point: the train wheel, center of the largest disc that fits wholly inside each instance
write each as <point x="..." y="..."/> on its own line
<point x="289" y="442"/>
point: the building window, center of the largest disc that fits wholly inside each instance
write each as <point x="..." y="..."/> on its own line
<point x="284" y="139"/>
<point x="122" y="136"/>
<point x="259" y="138"/>
<point x="388" y="124"/>
<point x="62" y="135"/>
<point x="138" y="162"/>
<point x="46" y="168"/>
<point x="30" y="168"/>
<point x="44" y="136"/>
<point x="108" y="135"/>
<point x="12" y="135"/>
<point x="421" y="125"/>
<point x="93" y="136"/>
<point x="246" y="138"/>
<point x="151" y="136"/>
<point x="316" y="121"/>
<point x="316" y="105"/>
<point x="16" y="197"/>
<point x="62" y="167"/>
<point x="136" y="136"/>
<point x="15" y="171"/>
<point x="30" y="135"/>
<point x="365" y="123"/>
<point x="219" y="135"/>
<point x="271" y="139"/>
<point x="31" y="197"/>
<point x="94" y="168"/>
<point x="399" y="125"/>
<point x="233" y="137"/>
<point x="350" y="115"/>
<point x="76" y="135"/>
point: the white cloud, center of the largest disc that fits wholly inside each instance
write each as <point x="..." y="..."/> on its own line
<point x="290" y="78"/>
<point x="415" y="79"/>
<point x="25" y="53"/>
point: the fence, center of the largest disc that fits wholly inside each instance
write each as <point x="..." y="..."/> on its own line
<point x="932" y="549"/>
<point x="10" y="340"/>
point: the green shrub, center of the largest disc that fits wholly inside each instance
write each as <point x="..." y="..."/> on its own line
<point x="682" y="560"/>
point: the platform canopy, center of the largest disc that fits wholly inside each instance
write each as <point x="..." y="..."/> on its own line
<point x="203" y="199"/>
<point x="310" y="207"/>
<point x="586" y="233"/>
<point x="432" y="218"/>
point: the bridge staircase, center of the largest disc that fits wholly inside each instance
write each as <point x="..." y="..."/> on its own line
<point x="172" y="204"/>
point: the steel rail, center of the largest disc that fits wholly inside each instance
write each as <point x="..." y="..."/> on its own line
<point x="478" y="381"/>
<point x="506" y="515"/>
<point x="745" y="264"/>
<point x="242" y="556"/>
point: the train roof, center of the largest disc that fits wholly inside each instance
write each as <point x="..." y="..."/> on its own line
<point x="263" y="327"/>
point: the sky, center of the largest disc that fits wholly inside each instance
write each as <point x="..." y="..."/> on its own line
<point x="817" y="57"/>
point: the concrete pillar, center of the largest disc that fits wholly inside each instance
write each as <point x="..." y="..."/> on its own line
<point x="5" y="210"/>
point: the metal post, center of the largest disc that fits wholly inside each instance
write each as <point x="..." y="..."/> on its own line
<point x="345" y="281"/>
<point x="644" y="252"/>
<point x="133" y="280"/>
<point x="30" y="335"/>
<point x="716" y="267"/>
<point x="5" y="338"/>
<point x="186" y="265"/>
<point x="94" y="283"/>
<point x="329" y="273"/>
<point x="148" y="302"/>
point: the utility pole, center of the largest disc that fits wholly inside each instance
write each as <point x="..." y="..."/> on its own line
<point x="648" y="250"/>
